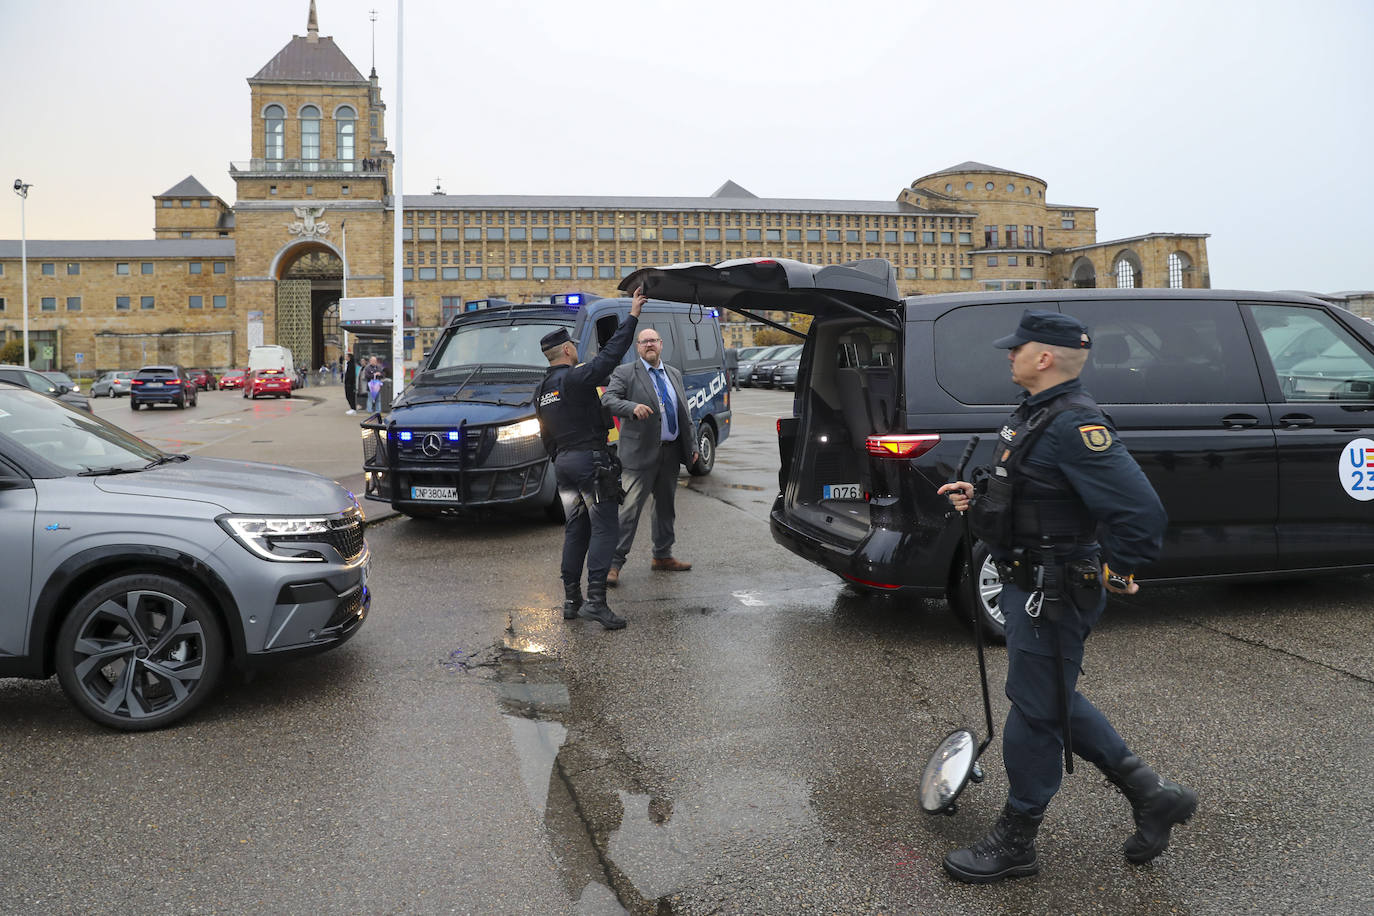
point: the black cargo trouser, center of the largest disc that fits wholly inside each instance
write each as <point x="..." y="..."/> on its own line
<point x="592" y="526"/>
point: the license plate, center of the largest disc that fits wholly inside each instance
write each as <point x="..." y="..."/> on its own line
<point x="154" y="384"/>
<point x="433" y="492"/>
<point x="841" y="491"/>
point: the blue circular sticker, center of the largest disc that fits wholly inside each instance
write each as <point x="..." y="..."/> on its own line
<point x="1357" y="469"/>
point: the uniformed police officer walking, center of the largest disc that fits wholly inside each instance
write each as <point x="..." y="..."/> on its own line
<point x="1060" y="475"/>
<point x="573" y="426"/>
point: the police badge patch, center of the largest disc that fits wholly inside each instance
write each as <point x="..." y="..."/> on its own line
<point x="1096" y="437"/>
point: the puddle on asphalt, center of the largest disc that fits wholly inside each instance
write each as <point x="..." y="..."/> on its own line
<point x="621" y="847"/>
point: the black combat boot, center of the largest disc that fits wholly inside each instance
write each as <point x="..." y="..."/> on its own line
<point x="572" y="599"/>
<point x="1157" y="804"/>
<point x="596" y="609"/>
<point x="1008" y="851"/>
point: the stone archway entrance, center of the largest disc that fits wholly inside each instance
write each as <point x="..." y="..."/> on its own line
<point x="308" y="290"/>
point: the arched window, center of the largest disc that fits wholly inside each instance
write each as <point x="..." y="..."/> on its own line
<point x="274" y="132"/>
<point x="310" y="136"/>
<point x="1125" y="275"/>
<point x="344" y="133"/>
<point x="1178" y="263"/>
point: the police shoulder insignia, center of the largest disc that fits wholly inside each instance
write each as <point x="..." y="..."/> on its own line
<point x="1096" y="437"/>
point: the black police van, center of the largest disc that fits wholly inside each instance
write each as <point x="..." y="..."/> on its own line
<point x="463" y="437"/>
<point x="1252" y="414"/>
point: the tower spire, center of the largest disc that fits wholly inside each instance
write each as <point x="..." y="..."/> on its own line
<point x="312" y="25"/>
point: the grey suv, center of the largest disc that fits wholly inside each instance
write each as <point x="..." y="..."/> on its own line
<point x="135" y="575"/>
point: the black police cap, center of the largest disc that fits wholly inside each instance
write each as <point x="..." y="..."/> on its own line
<point x="554" y="338"/>
<point x="1053" y="328"/>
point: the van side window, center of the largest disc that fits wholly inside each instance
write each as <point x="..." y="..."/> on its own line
<point x="967" y="365"/>
<point x="700" y="345"/>
<point x="1314" y="358"/>
<point x="605" y="330"/>
<point x="1167" y="351"/>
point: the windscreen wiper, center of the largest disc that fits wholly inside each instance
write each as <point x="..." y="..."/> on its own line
<point x="165" y="459"/>
<point x="105" y="472"/>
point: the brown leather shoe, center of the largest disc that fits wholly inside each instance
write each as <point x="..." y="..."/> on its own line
<point x="613" y="577"/>
<point x="671" y="565"/>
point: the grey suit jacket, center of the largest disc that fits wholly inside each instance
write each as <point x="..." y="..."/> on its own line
<point x="640" y="440"/>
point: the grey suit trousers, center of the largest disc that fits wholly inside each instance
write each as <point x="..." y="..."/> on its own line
<point x="659" y="481"/>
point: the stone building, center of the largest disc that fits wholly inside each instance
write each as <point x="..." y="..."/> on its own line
<point x="217" y="279"/>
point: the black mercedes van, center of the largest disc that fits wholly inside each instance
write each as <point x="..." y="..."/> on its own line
<point x="1252" y="414"/>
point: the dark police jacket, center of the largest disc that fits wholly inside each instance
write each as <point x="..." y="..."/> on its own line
<point x="567" y="403"/>
<point x="1079" y="459"/>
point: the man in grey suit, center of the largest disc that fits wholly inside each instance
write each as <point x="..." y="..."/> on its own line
<point x="656" y="438"/>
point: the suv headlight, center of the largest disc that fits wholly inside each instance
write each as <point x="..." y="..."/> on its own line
<point x="278" y="538"/>
<point x="515" y="431"/>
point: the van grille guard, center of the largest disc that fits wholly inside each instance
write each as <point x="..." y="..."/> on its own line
<point x="471" y="458"/>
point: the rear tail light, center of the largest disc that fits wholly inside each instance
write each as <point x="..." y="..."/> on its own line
<point x="137" y="381"/>
<point x="909" y="445"/>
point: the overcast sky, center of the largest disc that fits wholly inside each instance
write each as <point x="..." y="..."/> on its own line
<point x="1250" y="121"/>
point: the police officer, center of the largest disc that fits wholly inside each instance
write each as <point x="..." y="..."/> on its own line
<point x="573" y="427"/>
<point x="1060" y="476"/>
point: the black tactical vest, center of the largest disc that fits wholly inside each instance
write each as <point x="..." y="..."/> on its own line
<point x="1003" y="513"/>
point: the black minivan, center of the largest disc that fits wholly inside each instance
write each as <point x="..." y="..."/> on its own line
<point x="1252" y="414"/>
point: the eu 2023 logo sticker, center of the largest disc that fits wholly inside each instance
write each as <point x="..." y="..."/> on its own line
<point x="1357" y="469"/>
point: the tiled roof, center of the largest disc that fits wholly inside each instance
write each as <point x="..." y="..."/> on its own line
<point x="187" y="187"/>
<point x="135" y="248"/>
<point x="563" y="202"/>
<point x="313" y="61"/>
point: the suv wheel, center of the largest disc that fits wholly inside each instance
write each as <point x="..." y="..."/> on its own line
<point x="139" y="652"/>
<point x="706" y="451"/>
<point x="988" y="609"/>
<point x="133" y="405"/>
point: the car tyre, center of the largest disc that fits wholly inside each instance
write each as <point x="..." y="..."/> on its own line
<point x="706" y="451"/>
<point x="181" y="402"/>
<point x="139" y="652"/>
<point x="988" y="609"/>
<point x="133" y="405"/>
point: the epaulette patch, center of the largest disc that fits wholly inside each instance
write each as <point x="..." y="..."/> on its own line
<point x="1096" y="437"/>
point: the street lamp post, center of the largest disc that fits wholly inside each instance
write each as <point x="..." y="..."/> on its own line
<point x="22" y="190"/>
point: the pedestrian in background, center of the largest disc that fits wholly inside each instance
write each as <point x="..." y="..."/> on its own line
<point x="350" y="383"/>
<point x="1061" y="476"/>
<point x="373" y="377"/>
<point x="656" y="438"/>
<point x="573" y="426"/>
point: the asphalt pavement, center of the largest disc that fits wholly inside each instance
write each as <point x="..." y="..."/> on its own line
<point x="750" y="744"/>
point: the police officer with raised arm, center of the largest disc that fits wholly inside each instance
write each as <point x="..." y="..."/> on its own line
<point x="573" y="426"/>
<point x="1060" y="476"/>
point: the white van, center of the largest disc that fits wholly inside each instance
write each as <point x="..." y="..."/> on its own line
<point x="271" y="357"/>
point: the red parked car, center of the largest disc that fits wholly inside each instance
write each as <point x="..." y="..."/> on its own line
<point x="275" y="382"/>
<point x="232" y="379"/>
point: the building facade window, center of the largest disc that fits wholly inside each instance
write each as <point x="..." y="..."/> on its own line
<point x="274" y="132"/>
<point x="1176" y="271"/>
<point x="121" y="303"/>
<point x="220" y="302"/>
<point x="194" y="266"/>
<point x="73" y="303"/>
<point x="145" y="267"/>
<point x="220" y="267"/>
<point x="1125" y="276"/>
<point x="1011" y="237"/>
<point x="195" y="302"/>
<point x="310" y="135"/>
<point x="345" y="119"/>
<point x="48" y="269"/>
<point x="147" y="302"/>
<point x="73" y="269"/>
<point x="122" y="269"/>
<point x="48" y="304"/>
<point x="1065" y="219"/>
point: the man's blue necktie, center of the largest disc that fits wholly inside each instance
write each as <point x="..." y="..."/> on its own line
<point x="668" y="412"/>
